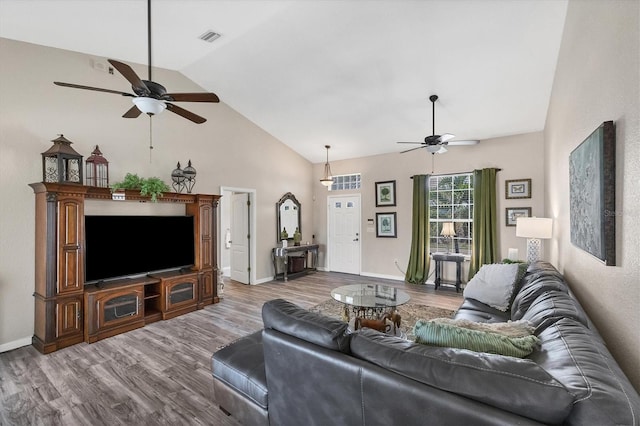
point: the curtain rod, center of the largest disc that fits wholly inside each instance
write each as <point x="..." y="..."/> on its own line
<point x="451" y="174"/>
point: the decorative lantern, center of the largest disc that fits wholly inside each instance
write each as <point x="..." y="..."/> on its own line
<point x="177" y="177"/>
<point x="61" y="163"/>
<point x="189" y="177"/>
<point x="97" y="169"/>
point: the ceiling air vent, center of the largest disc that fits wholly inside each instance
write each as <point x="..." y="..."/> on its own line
<point x="210" y="36"/>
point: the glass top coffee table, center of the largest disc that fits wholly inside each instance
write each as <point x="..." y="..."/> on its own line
<point x="369" y="301"/>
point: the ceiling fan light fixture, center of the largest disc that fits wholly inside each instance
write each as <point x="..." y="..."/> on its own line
<point x="327" y="180"/>
<point x="149" y="106"/>
<point x="433" y="148"/>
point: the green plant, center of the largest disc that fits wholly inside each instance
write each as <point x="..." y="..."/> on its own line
<point x="153" y="186"/>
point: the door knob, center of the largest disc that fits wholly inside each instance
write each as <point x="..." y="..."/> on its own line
<point x="356" y="239"/>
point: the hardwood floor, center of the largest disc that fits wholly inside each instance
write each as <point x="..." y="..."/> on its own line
<point x="159" y="374"/>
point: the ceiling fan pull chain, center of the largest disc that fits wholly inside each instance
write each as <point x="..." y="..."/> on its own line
<point x="150" y="137"/>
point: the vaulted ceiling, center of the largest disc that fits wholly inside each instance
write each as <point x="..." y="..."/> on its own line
<point x="354" y="74"/>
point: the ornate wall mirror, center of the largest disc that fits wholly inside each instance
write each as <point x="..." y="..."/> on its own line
<point x="288" y="216"/>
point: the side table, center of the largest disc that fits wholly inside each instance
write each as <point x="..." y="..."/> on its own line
<point x="439" y="258"/>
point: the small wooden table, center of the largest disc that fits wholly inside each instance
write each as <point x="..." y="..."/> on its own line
<point x="448" y="257"/>
<point x="284" y="252"/>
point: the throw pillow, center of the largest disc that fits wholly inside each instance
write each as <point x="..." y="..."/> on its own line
<point x="513" y="338"/>
<point x="494" y="284"/>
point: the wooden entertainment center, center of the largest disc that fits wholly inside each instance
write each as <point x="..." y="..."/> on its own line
<point x="68" y="312"/>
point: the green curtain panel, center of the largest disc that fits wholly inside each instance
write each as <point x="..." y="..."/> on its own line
<point x="485" y="225"/>
<point x="418" y="268"/>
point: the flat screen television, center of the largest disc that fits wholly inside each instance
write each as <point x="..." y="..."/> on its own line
<point x="123" y="246"/>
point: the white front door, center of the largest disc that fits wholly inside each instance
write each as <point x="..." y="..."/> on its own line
<point x="240" y="237"/>
<point x="344" y="234"/>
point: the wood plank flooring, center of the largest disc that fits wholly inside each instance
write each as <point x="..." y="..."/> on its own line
<point x="159" y="374"/>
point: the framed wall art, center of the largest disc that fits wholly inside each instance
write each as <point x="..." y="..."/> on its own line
<point x="513" y="213"/>
<point x="386" y="225"/>
<point x="517" y="188"/>
<point x="592" y="190"/>
<point x="386" y="193"/>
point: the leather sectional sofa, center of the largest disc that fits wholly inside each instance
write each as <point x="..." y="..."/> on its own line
<point x="307" y="369"/>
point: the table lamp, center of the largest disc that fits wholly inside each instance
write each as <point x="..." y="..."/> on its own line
<point x="448" y="233"/>
<point x="534" y="229"/>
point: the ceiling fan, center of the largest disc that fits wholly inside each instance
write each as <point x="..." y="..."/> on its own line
<point x="435" y="144"/>
<point x="150" y="97"/>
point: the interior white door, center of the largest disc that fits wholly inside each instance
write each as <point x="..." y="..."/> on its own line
<point x="344" y="234"/>
<point x="240" y="237"/>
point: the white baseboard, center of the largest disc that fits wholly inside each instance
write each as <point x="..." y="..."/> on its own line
<point x="263" y="280"/>
<point x="383" y="276"/>
<point x="9" y="346"/>
<point x="322" y="268"/>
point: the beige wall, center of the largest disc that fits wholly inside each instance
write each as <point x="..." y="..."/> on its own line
<point x="227" y="150"/>
<point x="518" y="156"/>
<point x="597" y="79"/>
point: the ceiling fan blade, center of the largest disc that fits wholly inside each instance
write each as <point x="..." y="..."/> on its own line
<point x="412" y="149"/>
<point x="191" y="97"/>
<point x="421" y="143"/>
<point x="131" y="76"/>
<point x="97" y="89"/>
<point x="446" y="137"/>
<point x="467" y="142"/>
<point x="186" y="114"/>
<point x="133" y="112"/>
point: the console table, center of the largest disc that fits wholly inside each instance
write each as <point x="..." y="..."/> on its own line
<point x="291" y="265"/>
<point x="448" y="257"/>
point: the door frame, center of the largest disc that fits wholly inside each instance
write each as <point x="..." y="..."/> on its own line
<point x="328" y="256"/>
<point x="224" y="223"/>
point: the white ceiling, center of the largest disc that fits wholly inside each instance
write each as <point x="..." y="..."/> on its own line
<point x="353" y="74"/>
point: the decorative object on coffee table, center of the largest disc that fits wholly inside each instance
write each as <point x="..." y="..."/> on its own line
<point x="61" y="163"/>
<point x="379" y="324"/>
<point x="411" y="313"/>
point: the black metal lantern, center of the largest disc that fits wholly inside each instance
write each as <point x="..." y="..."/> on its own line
<point x="189" y="177"/>
<point x="177" y="177"/>
<point x="61" y="163"/>
<point x="97" y="169"/>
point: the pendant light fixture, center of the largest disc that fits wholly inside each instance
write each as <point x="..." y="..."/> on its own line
<point x="327" y="180"/>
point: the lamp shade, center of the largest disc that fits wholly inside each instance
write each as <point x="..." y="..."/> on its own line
<point x="534" y="227"/>
<point x="447" y="229"/>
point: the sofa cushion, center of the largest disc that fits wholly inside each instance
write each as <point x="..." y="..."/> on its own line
<point x="495" y="284"/>
<point x="313" y="327"/>
<point x="488" y="378"/>
<point x="240" y="365"/>
<point x="531" y="290"/>
<point x="512" y="338"/>
<point x="474" y="310"/>
<point x="552" y="306"/>
<point x="579" y="359"/>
